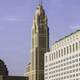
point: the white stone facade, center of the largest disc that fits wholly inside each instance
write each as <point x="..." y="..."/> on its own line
<point x="63" y="60"/>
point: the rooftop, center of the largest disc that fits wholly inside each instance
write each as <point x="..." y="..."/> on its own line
<point x="67" y="36"/>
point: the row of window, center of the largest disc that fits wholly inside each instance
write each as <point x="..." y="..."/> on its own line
<point x="69" y="60"/>
<point x="66" y="50"/>
<point x="71" y="76"/>
<point x="66" y="70"/>
<point x="66" y="66"/>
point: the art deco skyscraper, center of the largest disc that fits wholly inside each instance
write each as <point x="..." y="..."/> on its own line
<point x="40" y="43"/>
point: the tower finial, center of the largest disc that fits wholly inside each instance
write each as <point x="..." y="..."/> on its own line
<point x="40" y="2"/>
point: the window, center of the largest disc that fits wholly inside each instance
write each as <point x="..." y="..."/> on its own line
<point x="49" y="57"/>
<point x="67" y="50"/>
<point x="70" y="48"/>
<point x="61" y="52"/>
<point x="64" y="51"/>
<point x="73" y="47"/>
<point x="46" y="59"/>
<point x="54" y="55"/>
<point x="76" y="46"/>
<point x="79" y="44"/>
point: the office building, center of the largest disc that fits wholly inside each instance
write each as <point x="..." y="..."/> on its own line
<point x="40" y="43"/>
<point x="63" y="60"/>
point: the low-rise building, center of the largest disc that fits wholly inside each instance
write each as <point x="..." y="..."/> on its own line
<point x="4" y="73"/>
<point x="13" y="78"/>
<point x="28" y="71"/>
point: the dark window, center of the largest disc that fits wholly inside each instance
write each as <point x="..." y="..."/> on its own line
<point x="73" y="47"/>
<point x="70" y="48"/>
<point x="76" y="46"/>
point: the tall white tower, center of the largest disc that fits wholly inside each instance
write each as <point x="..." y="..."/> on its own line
<point x="40" y="43"/>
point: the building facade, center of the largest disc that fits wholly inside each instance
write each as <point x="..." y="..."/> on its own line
<point x="28" y="71"/>
<point x="63" y="60"/>
<point x="40" y="43"/>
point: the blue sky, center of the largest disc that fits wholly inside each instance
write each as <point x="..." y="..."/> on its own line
<point x="16" y="22"/>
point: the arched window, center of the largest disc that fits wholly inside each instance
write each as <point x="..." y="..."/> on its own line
<point x="49" y="57"/>
<point x="76" y="46"/>
<point x="64" y="51"/>
<point x="67" y="50"/>
<point x="79" y="45"/>
<point x="70" y="48"/>
<point x="54" y="55"/>
<point x="73" y="48"/>
<point x="59" y="53"/>
<point x="46" y="59"/>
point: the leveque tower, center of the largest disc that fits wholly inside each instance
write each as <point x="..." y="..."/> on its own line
<point x="40" y="43"/>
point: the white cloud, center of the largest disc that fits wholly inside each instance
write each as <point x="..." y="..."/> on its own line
<point x="76" y="27"/>
<point x="12" y="18"/>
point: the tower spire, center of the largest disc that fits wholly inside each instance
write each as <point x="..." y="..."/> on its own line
<point x="40" y="2"/>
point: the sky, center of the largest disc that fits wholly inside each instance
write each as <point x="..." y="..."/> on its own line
<point x="16" y="18"/>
